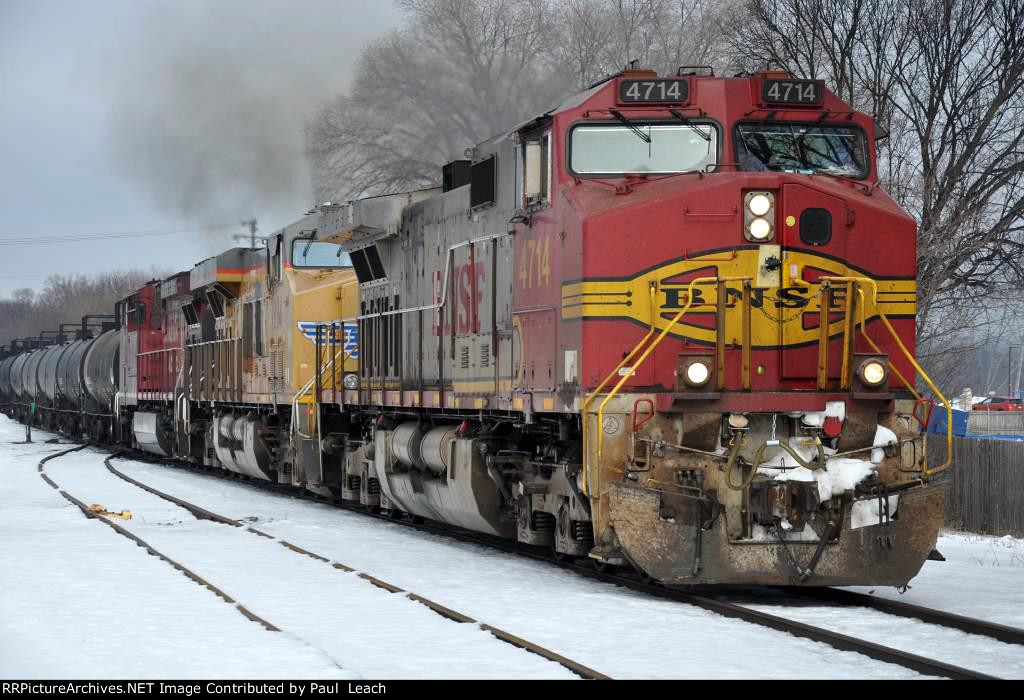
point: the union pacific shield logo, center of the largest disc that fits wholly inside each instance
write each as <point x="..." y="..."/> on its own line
<point x="346" y="333"/>
<point x="786" y="296"/>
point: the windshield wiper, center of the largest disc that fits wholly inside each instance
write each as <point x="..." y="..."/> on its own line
<point x="632" y="127"/>
<point x="686" y="122"/>
<point x="311" y="239"/>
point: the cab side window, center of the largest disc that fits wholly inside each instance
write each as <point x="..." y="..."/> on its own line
<point x="275" y="259"/>
<point x="535" y="170"/>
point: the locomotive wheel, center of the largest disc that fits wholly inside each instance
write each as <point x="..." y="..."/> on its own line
<point x="560" y="556"/>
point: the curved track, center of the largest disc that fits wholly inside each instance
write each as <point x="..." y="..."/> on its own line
<point x="714" y="602"/>
<point x="203" y="514"/>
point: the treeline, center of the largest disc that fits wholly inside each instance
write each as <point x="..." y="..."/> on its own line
<point x="66" y="299"/>
<point x="944" y="79"/>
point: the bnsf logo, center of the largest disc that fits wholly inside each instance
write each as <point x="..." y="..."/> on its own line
<point x="780" y="298"/>
<point x="468" y="286"/>
<point x="783" y="315"/>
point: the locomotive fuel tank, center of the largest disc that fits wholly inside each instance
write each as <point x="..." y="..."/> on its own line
<point x="239" y="445"/>
<point x="150" y="434"/>
<point x="437" y="475"/>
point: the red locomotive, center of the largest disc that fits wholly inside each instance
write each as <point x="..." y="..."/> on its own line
<point x="666" y="305"/>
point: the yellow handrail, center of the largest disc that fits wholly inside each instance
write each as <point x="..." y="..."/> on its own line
<point x="593" y="395"/>
<point x="309" y="385"/>
<point x="910" y="358"/>
<point x="643" y="358"/>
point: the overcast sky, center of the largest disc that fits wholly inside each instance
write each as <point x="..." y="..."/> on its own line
<point x="144" y="116"/>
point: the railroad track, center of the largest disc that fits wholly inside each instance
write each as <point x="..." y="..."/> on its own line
<point x="203" y="514"/>
<point x="1003" y="633"/>
<point x="713" y="602"/>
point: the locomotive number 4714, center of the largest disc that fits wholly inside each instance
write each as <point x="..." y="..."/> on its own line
<point x="535" y="263"/>
<point x="660" y="90"/>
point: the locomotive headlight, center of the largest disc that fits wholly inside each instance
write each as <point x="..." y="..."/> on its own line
<point x="872" y="372"/>
<point x="697" y="374"/>
<point x="759" y="204"/>
<point x="759" y="229"/>
<point x="351" y="381"/>
<point x="759" y="216"/>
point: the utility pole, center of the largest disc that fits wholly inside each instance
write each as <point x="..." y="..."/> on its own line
<point x="1009" y="370"/>
<point x="1020" y="364"/>
<point x="251" y="223"/>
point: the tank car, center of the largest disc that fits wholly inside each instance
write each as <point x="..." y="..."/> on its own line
<point x="70" y="386"/>
<point x="92" y="374"/>
<point x="17" y="382"/>
<point x="48" y="397"/>
<point x="5" y="374"/>
<point x="65" y="385"/>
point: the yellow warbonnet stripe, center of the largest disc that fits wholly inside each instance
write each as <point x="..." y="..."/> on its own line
<point x="779" y="315"/>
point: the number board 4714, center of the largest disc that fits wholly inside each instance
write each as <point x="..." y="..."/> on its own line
<point x="671" y="90"/>
<point x="794" y="92"/>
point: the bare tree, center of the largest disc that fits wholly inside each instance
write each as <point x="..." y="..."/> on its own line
<point x="461" y="71"/>
<point x="947" y="80"/>
<point x="599" y="37"/>
<point x="65" y="299"/>
<point x="458" y="72"/>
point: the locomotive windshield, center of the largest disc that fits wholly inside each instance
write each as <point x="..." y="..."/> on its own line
<point x="821" y="148"/>
<point x="310" y="253"/>
<point x="615" y="149"/>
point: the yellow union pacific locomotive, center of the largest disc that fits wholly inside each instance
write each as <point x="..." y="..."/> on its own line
<point x="668" y="325"/>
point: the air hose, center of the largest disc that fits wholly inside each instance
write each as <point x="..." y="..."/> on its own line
<point x="759" y="455"/>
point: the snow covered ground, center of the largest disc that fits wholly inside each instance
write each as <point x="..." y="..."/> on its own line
<point x="76" y="599"/>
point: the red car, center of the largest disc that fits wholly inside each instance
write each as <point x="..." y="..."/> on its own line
<point x="999" y="403"/>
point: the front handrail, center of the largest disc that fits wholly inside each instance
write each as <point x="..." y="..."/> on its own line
<point x="593" y="395"/>
<point x="926" y="470"/>
<point x="640" y="361"/>
<point x="305" y="390"/>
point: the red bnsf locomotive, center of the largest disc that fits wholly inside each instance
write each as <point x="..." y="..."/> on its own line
<point x="660" y="322"/>
<point x="668" y="325"/>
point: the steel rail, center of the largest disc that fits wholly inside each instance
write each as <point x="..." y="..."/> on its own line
<point x="1003" y="633"/>
<point x="921" y="664"/>
<point x="150" y="549"/>
<point x="836" y="640"/>
<point x="203" y="514"/>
